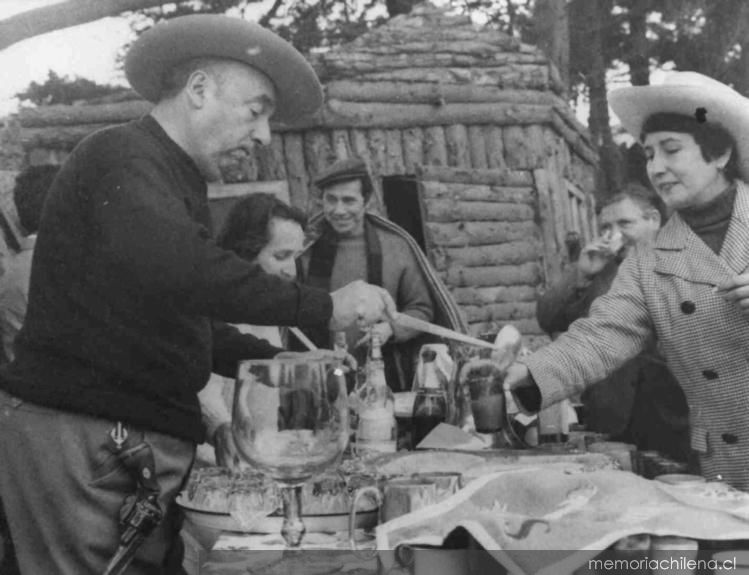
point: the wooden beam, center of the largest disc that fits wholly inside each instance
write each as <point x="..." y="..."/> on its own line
<point x="520" y="178"/>
<point x="461" y="234"/>
<point x="449" y="210"/>
<point x="524" y="274"/>
<point x="494" y="294"/>
<point x="435" y="190"/>
<point x="67" y="115"/>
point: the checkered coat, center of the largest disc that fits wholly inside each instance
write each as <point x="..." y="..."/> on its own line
<point x="667" y="292"/>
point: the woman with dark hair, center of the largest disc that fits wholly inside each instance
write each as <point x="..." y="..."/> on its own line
<point x="269" y="233"/>
<point x="690" y="290"/>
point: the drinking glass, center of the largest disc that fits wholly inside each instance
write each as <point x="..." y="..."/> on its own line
<point x="290" y="421"/>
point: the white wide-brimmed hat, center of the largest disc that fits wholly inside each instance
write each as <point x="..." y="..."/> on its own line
<point x="298" y="91"/>
<point x="690" y="94"/>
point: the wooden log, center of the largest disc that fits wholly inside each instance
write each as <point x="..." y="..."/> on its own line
<point x="339" y="113"/>
<point x="435" y="148"/>
<point x="390" y="35"/>
<point x="360" y="145"/>
<point x="518" y="252"/>
<point x="552" y="261"/>
<point x="355" y="63"/>
<point x="515" y="76"/>
<point x="558" y="195"/>
<point x="495" y="149"/>
<point x="453" y="211"/>
<point x="480" y="47"/>
<point x="524" y="326"/>
<point x="318" y="153"/>
<point x="456" y="141"/>
<point x="477" y="147"/>
<point x="432" y="93"/>
<point x="296" y="170"/>
<point x="394" y="164"/>
<point x="341" y="144"/>
<point x="413" y="149"/>
<point x="523" y="274"/>
<point x="510" y="178"/>
<point x="57" y="137"/>
<point x="574" y="139"/>
<point x="518" y="150"/>
<point x="66" y="115"/>
<point x="494" y="294"/>
<point x="500" y="311"/>
<point x="537" y="151"/>
<point x="277" y="160"/>
<point x="377" y="151"/>
<point x="463" y="234"/>
<point x="435" y="190"/>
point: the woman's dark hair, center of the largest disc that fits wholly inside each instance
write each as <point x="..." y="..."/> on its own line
<point x="713" y="139"/>
<point x="247" y="228"/>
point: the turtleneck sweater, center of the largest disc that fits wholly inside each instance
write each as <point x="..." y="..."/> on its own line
<point x="710" y="221"/>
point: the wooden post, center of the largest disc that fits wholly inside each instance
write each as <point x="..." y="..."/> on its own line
<point x="456" y="141"/>
<point x="494" y="147"/>
<point x="477" y="146"/>
<point x="296" y="170"/>
<point x="413" y="149"/>
<point x="435" y="149"/>
<point x="394" y="164"/>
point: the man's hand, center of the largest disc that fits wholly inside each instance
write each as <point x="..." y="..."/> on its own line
<point x="226" y="451"/>
<point x="594" y="257"/>
<point x="382" y="329"/>
<point x="517" y="377"/>
<point x="361" y="303"/>
<point x="737" y="292"/>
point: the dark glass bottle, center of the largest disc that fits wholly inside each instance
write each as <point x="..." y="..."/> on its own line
<point x="430" y="405"/>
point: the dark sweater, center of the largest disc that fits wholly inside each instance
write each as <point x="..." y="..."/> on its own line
<point x="710" y="221"/>
<point x="125" y="282"/>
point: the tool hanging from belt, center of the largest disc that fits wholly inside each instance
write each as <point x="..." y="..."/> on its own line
<point x="141" y="512"/>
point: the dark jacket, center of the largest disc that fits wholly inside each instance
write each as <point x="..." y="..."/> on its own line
<point x="126" y="281"/>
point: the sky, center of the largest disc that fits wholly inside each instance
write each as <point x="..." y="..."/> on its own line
<point x="89" y="51"/>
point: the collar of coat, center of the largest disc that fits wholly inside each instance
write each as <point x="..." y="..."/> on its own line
<point x="698" y="262"/>
<point x="447" y="312"/>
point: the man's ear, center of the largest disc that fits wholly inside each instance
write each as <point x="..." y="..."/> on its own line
<point x="196" y="87"/>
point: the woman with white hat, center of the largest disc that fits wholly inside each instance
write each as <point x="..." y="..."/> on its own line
<point x="691" y="289"/>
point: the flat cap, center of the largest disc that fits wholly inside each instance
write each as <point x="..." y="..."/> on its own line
<point x="345" y="171"/>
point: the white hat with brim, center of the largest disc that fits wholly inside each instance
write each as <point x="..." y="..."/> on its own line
<point x="685" y="93"/>
<point x="298" y="91"/>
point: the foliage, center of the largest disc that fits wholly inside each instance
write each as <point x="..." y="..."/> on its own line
<point x="64" y="90"/>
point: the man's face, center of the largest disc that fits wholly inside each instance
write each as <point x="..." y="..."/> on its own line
<point x="344" y="207"/>
<point x="635" y="224"/>
<point x="236" y="103"/>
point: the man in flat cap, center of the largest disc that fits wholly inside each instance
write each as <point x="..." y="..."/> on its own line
<point x="128" y="290"/>
<point x="347" y="243"/>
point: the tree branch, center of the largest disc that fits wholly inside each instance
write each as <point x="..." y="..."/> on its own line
<point x="271" y="13"/>
<point x="64" y="15"/>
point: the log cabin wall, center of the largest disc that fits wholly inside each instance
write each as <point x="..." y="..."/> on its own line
<point x="428" y="92"/>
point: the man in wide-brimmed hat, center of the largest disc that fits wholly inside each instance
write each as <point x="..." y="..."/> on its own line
<point x="349" y="242"/>
<point x="128" y="291"/>
<point x="691" y="289"/>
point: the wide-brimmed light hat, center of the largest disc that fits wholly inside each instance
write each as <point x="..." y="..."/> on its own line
<point x="298" y="91"/>
<point x="690" y="94"/>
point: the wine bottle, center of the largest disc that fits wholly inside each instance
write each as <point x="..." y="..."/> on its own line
<point x="377" y="429"/>
<point x="430" y="405"/>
